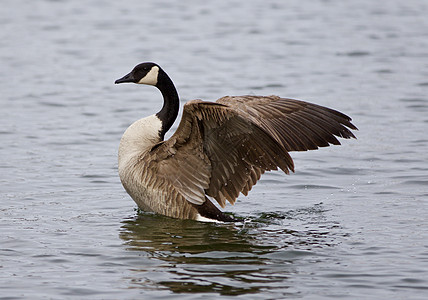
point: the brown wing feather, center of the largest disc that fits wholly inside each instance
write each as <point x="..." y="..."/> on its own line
<point x="181" y="162"/>
<point x="297" y="125"/>
<point x="221" y="149"/>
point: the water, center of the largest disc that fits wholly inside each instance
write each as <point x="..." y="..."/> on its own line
<point x="350" y="223"/>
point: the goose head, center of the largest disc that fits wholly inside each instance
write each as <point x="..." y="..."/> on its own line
<point x="151" y="74"/>
<point x="144" y="73"/>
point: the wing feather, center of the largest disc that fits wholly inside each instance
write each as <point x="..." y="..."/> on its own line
<point x="221" y="149"/>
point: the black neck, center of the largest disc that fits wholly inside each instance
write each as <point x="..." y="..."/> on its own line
<point x="171" y="102"/>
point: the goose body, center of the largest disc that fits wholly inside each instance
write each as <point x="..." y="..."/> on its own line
<point x="219" y="150"/>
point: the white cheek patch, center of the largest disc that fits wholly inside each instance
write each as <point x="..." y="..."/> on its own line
<point x="151" y="78"/>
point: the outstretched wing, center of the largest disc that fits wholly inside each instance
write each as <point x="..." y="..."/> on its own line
<point x="297" y="125"/>
<point x="220" y="149"/>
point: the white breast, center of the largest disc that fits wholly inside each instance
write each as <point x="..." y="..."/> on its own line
<point x="139" y="138"/>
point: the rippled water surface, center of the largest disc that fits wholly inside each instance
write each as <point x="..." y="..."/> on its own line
<point x="352" y="221"/>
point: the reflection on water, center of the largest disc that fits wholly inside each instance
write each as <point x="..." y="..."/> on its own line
<point x="228" y="259"/>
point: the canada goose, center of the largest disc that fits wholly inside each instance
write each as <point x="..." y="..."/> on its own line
<point x="220" y="149"/>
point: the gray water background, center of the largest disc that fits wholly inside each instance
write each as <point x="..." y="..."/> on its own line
<point x="351" y="223"/>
